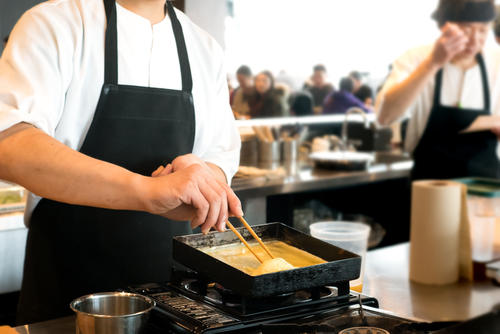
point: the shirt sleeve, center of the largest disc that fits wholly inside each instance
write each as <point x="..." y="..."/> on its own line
<point x="32" y="67"/>
<point x="224" y="149"/>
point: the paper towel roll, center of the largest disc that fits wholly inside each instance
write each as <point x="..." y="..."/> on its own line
<point x="439" y="239"/>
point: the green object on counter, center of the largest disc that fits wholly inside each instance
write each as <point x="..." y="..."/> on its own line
<point x="482" y="187"/>
<point x="10" y="198"/>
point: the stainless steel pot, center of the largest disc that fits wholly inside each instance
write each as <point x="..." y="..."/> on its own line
<point x="111" y="313"/>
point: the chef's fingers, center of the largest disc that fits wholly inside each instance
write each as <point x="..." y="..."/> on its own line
<point x="221" y="225"/>
<point x="221" y="201"/>
<point x="445" y="50"/>
<point x="224" y="211"/>
<point x="212" y="196"/>
<point x="450" y="38"/>
<point x="457" y="40"/>
<point x="162" y="171"/>
<point x="233" y="202"/>
<point x="451" y="29"/>
<point x="167" y="170"/>
<point x="157" y="171"/>
<point x="456" y="47"/>
<point x="451" y="34"/>
<point x="201" y="206"/>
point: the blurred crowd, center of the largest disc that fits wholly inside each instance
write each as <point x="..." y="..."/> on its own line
<point x="262" y="95"/>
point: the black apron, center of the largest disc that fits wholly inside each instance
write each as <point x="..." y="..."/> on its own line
<point x="443" y="152"/>
<point x="75" y="250"/>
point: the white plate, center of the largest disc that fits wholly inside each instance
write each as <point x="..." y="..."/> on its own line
<point x="341" y="156"/>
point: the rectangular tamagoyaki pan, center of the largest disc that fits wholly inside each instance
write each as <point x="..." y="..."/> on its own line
<point x="341" y="266"/>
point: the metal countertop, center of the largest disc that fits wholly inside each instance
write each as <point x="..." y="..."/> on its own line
<point x="386" y="278"/>
<point x="302" y="176"/>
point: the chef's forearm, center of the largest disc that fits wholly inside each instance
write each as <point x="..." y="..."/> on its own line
<point x="50" y="169"/>
<point x="399" y="97"/>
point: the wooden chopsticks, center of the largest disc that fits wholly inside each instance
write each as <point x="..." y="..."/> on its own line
<point x="231" y="227"/>
<point x="252" y="232"/>
<point x="249" y="228"/>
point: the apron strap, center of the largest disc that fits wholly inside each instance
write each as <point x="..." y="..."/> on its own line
<point x="111" y="47"/>
<point x="484" y="80"/>
<point x="437" y="88"/>
<point x="187" y="80"/>
<point x="486" y="86"/>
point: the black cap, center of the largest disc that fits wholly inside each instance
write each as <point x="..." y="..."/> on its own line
<point x="464" y="11"/>
<point x="496" y="28"/>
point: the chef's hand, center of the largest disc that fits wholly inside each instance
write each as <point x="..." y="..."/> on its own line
<point x="496" y="131"/>
<point x="222" y="200"/>
<point x="451" y="42"/>
<point x="187" y="160"/>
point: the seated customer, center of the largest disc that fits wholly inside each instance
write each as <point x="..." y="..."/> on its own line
<point x="365" y="95"/>
<point x="339" y="102"/>
<point x="301" y="104"/>
<point x="318" y="86"/>
<point x="241" y="95"/>
<point x="357" y="80"/>
<point x="267" y="101"/>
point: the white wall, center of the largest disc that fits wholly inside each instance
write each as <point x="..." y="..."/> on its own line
<point x="344" y="35"/>
<point x="209" y="15"/>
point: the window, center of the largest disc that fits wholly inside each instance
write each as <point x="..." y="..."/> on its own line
<point x="345" y="35"/>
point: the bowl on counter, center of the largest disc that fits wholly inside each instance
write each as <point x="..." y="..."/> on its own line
<point x="112" y="313"/>
<point x="342" y="160"/>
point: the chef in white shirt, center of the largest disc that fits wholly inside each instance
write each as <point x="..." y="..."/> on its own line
<point x="115" y="115"/>
<point x="443" y="89"/>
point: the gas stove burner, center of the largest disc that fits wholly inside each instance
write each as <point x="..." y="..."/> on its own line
<point x="364" y="330"/>
<point x="229" y="298"/>
<point x="219" y="295"/>
<point x="193" y="304"/>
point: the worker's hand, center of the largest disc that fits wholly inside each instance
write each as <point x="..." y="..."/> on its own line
<point x="496" y="131"/>
<point x="187" y="160"/>
<point x="222" y="202"/>
<point x="184" y="161"/>
<point x="161" y="171"/>
<point x="451" y="42"/>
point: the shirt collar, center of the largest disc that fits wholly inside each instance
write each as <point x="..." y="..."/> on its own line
<point x="130" y="15"/>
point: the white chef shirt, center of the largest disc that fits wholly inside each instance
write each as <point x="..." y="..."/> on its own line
<point x="470" y="95"/>
<point x="52" y="71"/>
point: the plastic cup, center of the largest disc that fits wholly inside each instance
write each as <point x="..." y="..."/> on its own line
<point x="351" y="236"/>
<point x="483" y="213"/>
